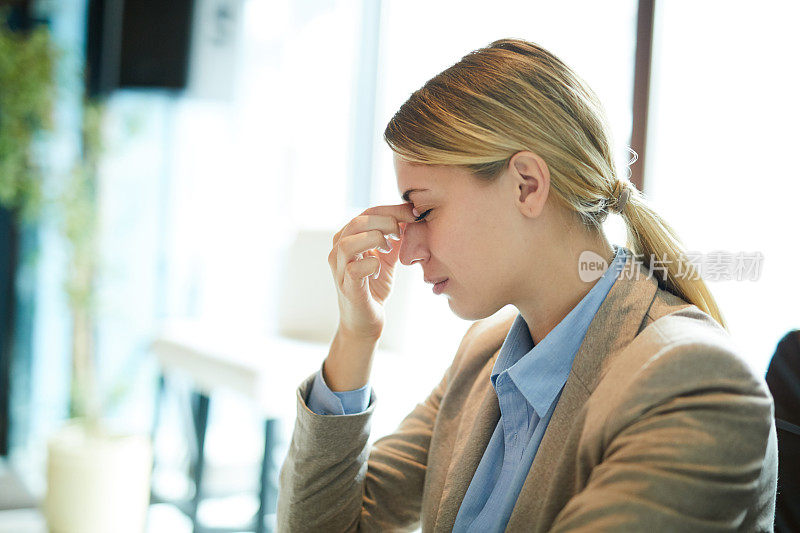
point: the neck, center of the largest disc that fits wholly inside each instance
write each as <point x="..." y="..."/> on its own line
<point x="558" y="287"/>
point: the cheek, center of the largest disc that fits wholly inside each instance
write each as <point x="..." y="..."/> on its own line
<point x="465" y="239"/>
<point x="464" y="246"/>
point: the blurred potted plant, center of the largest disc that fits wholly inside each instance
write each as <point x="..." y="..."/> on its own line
<point x="97" y="479"/>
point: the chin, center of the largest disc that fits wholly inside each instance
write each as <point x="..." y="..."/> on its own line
<point x="472" y="313"/>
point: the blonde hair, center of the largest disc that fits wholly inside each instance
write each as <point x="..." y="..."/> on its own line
<point x="514" y="95"/>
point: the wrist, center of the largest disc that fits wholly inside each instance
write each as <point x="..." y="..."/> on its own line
<point x="353" y="337"/>
<point x="349" y="361"/>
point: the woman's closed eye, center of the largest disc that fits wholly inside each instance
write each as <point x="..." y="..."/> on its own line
<point x="422" y="216"/>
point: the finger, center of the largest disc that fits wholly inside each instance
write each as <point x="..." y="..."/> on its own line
<point x="399" y="215"/>
<point x="401" y="212"/>
<point x="352" y="245"/>
<point x="385" y="224"/>
<point x="388" y="228"/>
<point x="361" y="268"/>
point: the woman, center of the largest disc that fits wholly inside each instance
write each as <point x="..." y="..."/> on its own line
<point x="616" y="402"/>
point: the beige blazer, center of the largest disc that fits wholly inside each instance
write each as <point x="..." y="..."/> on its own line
<point x="661" y="426"/>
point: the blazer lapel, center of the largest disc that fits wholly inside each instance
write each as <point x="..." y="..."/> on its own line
<point x="481" y="414"/>
<point x="617" y="322"/>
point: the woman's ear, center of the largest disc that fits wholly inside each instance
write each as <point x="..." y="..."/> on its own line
<point x="531" y="179"/>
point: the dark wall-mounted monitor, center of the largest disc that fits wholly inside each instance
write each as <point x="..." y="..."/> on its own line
<point x="138" y="43"/>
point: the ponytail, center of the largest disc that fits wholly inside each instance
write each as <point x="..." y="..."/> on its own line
<point x="652" y="239"/>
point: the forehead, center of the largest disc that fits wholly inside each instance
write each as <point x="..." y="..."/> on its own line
<point x="418" y="176"/>
<point x="404" y="167"/>
<point x="410" y="177"/>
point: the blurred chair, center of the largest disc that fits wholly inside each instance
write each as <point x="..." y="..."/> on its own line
<point x="783" y="380"/>
<point x="264" y="369"/>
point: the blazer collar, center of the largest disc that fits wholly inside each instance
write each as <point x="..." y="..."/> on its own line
<point x="618" y="320"/>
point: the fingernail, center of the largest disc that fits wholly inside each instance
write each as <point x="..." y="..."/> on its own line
<point x="394" y="236"/>
<point x="416" y="213"/>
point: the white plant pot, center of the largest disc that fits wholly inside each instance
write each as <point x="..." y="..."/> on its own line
<point x="97" y="483"/>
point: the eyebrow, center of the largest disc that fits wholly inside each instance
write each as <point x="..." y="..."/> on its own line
<point x="407" y="194"/>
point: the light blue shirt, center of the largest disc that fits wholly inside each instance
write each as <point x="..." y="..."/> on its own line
<point x="528" y="381"/>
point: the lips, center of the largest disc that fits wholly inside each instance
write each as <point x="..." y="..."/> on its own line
<point x="439" y="287"/>
<point x="434" y="281"/>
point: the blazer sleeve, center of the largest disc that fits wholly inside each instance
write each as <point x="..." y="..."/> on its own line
<point x="332" y="481"/>
<point x="683" y="450"/>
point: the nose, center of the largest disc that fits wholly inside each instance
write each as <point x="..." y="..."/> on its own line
<point x="412" y="247"/>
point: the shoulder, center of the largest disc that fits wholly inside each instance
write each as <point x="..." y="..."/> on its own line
<point x="674" y="329"/>
<point x="677" y="330"/>
<point x="681" y="351"/>
<point x="683" y="388"/>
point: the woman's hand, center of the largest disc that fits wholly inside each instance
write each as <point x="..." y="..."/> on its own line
<point x="362" y="261"/>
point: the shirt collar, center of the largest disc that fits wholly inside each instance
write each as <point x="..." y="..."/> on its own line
<point x="540" y="371"/>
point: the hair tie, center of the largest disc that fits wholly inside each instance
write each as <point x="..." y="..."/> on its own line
<point x="620" y="196"/>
